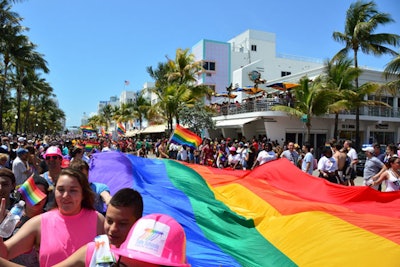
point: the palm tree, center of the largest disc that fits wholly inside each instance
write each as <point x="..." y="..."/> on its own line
<point x="107" y="113"/>
<point x="311" y="100"/>
<point x="26" y="59"/>
<point x="182" y="86"/>
<point x="339" y="75"/>
<point x="34" y="86"/>
<point x="11" y="39"/>
<point x="96" y="121"/>
<point x="141" y="106"/>
<point x="362" y="19"/>
<point x="123" y="113"/>
<point x="392" y="69"/>
<point x="354" y="99"/>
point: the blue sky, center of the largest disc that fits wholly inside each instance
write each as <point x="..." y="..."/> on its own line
<point x="93" y="46"/>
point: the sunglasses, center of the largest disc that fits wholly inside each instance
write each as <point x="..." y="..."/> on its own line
<point x="53" y="157"/>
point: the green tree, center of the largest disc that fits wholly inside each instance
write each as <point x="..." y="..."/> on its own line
<point x="311" y="100"/>
<point x="123" y="113"/>
<point x="362" y="20"/>
<point x="176" y="85"/>
<point x="34" y="86"/>
<point x="197" y="118"/>
<point x="106" y="115"/>
<point x="26" y="60"/>
<point x="10" y="41"/>
<point x="392" y="69"/>
<point x="339" y="75"/>
<point x="96" y="121"/>
<point x="141" y="107"/>
<point x="354" y="99"/>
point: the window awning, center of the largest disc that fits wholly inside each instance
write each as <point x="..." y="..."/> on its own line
<point x="236" y="123"/>
<point x="155" y="129"/>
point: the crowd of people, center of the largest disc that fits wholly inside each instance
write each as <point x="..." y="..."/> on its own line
<point x="80" y="223"/>
<point x="335" y="162"/>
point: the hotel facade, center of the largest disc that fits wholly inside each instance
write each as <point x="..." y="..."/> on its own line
<point x="254" y="52"/>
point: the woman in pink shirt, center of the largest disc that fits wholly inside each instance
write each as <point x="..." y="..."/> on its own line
<point x="61" y="231"/>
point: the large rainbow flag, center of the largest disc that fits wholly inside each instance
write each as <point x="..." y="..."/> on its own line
<point x="183" y="136"/>
<point x="275" y="215"/>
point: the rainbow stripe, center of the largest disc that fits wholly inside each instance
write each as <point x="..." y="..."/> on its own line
<point x="120" y="129"/>
<point x="275" y="215"/>
<point x="184" y="136"/>
<point x="86" y="128"/>
<point x="89" y="146"/>
<point x="31" y="192"/>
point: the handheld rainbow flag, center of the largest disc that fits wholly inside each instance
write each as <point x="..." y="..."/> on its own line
<point x="31" y="192"/>
<point x="275" y="215"/>
<point x="183" y="136"/>
<point x="89" y="146"/>
<point x="120" y="129"/>
<point x="87" y="128"/>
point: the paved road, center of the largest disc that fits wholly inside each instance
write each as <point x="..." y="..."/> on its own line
<point x="357" y="181"/>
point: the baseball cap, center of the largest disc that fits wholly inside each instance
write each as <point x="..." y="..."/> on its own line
<point x="21" y="139"/>
<point x="368" y="149"/>
<point x="65" y="163"/>
<point x="53" y="151"/>
<point x="167" y="245"/>
<point x="21" y="151"/>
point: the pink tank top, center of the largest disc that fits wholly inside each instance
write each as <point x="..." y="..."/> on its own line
<point x="62" y="235"/>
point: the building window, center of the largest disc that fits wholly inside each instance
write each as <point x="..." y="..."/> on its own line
<point x="254" y="48"/>
<point x="208" y="74"/>
<point x="285" y="73"/>
<point x="209" y="65"/>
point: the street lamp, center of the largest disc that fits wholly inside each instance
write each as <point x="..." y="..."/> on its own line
<point x="16" y="124"/>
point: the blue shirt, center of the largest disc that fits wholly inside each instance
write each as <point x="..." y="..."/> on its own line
<point x="98" y="188"/>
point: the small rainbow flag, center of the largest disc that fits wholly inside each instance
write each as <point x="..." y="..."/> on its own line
<point x="120" y="129"/>
<point x="183" y="136"/>
<point x="89" y="146"/>
<point x="86" y="128"/>
<point x="31" y="192"/>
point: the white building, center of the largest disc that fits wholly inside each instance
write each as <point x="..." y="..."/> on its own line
<point x="255" y="52"/>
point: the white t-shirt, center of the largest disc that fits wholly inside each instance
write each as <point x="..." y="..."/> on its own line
<point x="327" y="164"/>
<point x="352" y="154"/>
<point x="265" y="156"/>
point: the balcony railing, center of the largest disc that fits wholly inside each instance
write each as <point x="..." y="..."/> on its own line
<point x="265" y="104"/>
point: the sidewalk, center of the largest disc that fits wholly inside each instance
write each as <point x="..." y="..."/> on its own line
<point x="358" y="181"/>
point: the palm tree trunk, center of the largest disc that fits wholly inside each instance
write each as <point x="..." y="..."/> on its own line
<point x="25" y="128"/>
<point x="358" y="108"/>
<point x="308" y="124"/>
<point x="335" y="131"/>
<point x="18" y="108"/>
<point x="357" y="145"/>
<point x="3" y="94"/>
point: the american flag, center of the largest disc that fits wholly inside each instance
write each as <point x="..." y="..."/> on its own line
<point x="126" y="83"/>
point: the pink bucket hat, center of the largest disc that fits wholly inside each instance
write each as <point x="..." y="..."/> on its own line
<point x="157" y="239"/>
<point x="53" y="151"/>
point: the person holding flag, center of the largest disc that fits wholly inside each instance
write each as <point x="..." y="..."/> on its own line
<point x="34" y="192"/>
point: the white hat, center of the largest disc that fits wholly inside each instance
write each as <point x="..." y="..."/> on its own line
<point x="369" y="149"/>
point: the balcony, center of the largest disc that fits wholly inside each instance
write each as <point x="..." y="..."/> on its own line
<point x="265" y="104"/>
